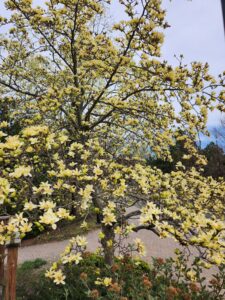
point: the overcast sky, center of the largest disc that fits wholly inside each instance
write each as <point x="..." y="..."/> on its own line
<point x="196" y="32"/>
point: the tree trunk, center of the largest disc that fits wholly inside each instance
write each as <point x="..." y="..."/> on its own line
<point x="108" y="244"/>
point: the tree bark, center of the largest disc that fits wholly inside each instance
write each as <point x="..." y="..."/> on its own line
<point x="108" y="244"/>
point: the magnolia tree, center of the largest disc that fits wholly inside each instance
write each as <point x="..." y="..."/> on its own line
<point x="90" y="99"/>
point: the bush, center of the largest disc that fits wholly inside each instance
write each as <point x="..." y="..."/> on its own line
<point x="28" y="275"/>
<point x="127" y="279"/>
<point x="32" y="264"/>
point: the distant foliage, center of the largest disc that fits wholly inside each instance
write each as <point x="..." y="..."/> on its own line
<point x="215" y="161"/>
<point x="215" y="164"/>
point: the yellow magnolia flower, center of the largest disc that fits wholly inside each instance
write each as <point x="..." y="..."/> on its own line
<point x="50" y="273"/>
<point x="4" y="124"/>
<point x="44" y="188"/>
<point x="21" y="171"/>
<point x="107" y="281"/>
<point x="29" y="206"/>
<point x="129" y="228"/>
<point x="49" y="218"/>
<point x="217" y="258"/>
<point x="81" y="241"/>
<point x="2" y="134"/>
<point x="12" y="142"/>
<point x="11" y="228"/>
<point x="76" y="258"/>
<point x="111" y="205"/>
<point x="109" y="243"/>
<point x="118" y="230"/>
<point x="120" y="191"/>
<point x="25" y="227"/>
<point x="150" y="213"/>
<point x="140" y="247"/>
<point x="84" y="225"/>
<point x="97" y="171"/>
<point x="109" y="218"/>
<point x="35" y="131"/>
<point x="191" y="275"/>
<point x="59" y="277"/>
<point x="101" y="235"/>
<point x="86" y="196"/>
<point x="46" y="205"/>
<point x="2" y="239"/>
<point x="62" y="213"/>
<point x="5" y="189"/>
<point x="63" y="138"/>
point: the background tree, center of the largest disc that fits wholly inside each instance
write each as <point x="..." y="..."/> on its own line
<point x="179" y="153"/>
<point x="212" y="152"/>
<point x="215" y="160"/>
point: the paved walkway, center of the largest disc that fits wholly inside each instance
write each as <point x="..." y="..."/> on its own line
<point x="155" y="247"/>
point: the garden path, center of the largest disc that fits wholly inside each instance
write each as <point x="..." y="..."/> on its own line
<point x="50" y="251"/>
<point x="155" y="247"/>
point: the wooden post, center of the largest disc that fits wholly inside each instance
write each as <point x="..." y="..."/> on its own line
<point x="2" y="256"/>
<point x="3" y="219"/>
<point x="12" y="257"/>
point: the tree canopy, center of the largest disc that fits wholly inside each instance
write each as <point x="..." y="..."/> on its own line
<point x="92" y="98"/>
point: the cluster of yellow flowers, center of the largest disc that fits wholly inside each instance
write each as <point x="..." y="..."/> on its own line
<point x="71" y="255"/>
<point x="35" y="131"/>
<point x="140" y="247"/>
<point x="163" y="196"/>
<point x="21" y="171"/>
<point x="17" y="227"/>
<point x="5" y="190"/>
<point x="108" y="212"/>
<point x="56" y="275"/>
<point x="106" y="281"/>
<point x="149" y="214"/>
<point x="44" y="188"/>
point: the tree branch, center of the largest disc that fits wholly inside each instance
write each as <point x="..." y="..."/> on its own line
<point x="116" y="67"/>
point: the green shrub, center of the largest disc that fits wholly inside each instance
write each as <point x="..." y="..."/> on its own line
<point x="131" y="280"/>
<point x="28" y="276"/>
<point x="32" y="264"/>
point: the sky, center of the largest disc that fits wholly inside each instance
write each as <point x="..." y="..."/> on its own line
<point x="196" y="32"/>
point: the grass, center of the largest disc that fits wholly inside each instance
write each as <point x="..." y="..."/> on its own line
<point x="28" y="275"/>
<point x="32" y="264"/>
<point x="63" y="232"/>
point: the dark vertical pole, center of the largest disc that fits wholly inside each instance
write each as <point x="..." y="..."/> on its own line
<point x="2" y="256"/>
<point x="223" y="11"/>
<point x="12" y="257"/>
<point x="3" y="219"/>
